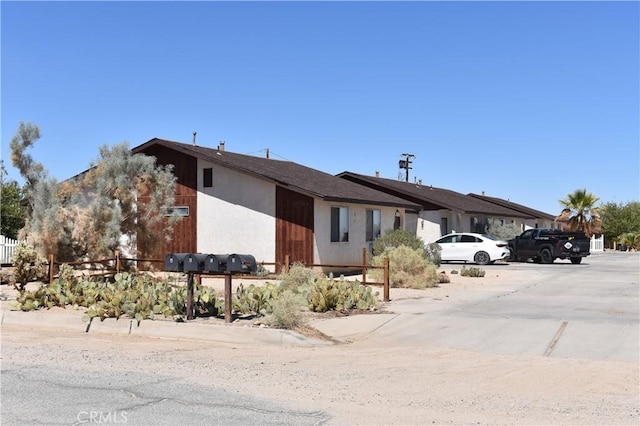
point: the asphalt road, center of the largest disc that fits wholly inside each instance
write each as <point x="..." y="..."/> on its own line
<point x="587" y="311"/>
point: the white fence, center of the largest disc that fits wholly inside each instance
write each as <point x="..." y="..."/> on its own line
<point x="597" y="244"/>
<point x="7" y="248"/>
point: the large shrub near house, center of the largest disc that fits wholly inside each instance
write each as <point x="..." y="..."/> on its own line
<point x="408" y="267"/>
<point x="396" y="238"/>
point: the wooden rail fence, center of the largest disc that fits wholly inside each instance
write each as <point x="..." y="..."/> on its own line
<point x="114" y="265"/>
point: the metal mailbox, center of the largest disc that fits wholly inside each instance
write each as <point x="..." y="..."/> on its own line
<point x="194" y="262"/>
<point x="241" y="263"/>
<point x="174" y="262"/>
<point x="215" y="263"/>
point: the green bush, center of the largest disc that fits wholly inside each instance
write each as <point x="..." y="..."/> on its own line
<point x="631" y="240"/>
<point x="407" y="268"/>
<point x="472" y="272"/>
<point x="396" y="238"/>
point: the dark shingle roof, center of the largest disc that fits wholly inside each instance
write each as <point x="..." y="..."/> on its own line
<point x="287" y="174"/>
<point x="432" y="198"/>
<point x="514" y="206"/>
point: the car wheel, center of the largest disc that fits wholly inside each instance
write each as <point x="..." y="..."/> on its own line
<point x="545" y="256"/>
<point x="482" y="258"/>
<point x="512" y="256"/>
<point x="576" y="260"/>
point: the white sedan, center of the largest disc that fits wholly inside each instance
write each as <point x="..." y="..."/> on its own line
<point x="468" y="247"/>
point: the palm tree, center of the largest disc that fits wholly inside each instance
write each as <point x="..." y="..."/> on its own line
<point x="631" y="240"/>
<point x="580" y="213"/>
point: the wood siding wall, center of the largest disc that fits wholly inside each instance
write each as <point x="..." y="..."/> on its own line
<point x="183" y="238"/>
<point x="294" y="227"/>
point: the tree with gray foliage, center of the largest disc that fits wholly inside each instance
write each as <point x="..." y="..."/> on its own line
<point x="502" y="231"/>
<point x="95" y="213"/>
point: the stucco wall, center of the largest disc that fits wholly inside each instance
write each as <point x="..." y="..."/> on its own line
<point x="236" y="215"/>
<point x="428" y="227"/>
<point x="346" y="253"/>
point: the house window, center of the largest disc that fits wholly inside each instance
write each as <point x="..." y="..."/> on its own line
<point x="479" y="225"/>
<point x="339" y="224"/>
<point x="374" y="224"/>
<point x="182" y="211"/>
<point x="207" y="177"/>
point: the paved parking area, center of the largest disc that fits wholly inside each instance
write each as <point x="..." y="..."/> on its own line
<point x="558" y="310"/>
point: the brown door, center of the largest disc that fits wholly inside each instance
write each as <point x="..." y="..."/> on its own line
<point x="294" y="227"/>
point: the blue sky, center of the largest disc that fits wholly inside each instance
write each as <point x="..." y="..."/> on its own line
<point x="526" y="101"/>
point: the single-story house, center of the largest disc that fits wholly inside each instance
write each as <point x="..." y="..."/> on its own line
<point x="444" y="211"/>
<point x="538" y="219"/>
<point x="268" y="208"/>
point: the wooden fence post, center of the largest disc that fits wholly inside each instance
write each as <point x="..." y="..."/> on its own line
<point x="189" y="301"/>
<point x="286" y="263"/>
<point x="364" y="265"/>
<point x="228" y="305"/>
<point x="118" y="262"/>
<point x="386" y="279"/>
<point x="51" y="268"/>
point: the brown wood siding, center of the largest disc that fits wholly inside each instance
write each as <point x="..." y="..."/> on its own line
<point x="184" y="236"/>
<point x="294" y="227"/>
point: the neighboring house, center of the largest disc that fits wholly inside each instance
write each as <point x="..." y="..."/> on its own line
<point x="235" y="203"/>
<point x="442" y="210"/>
<point x="538" y="219"/>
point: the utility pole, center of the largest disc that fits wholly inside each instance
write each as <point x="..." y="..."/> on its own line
<point x="406" y="164"/>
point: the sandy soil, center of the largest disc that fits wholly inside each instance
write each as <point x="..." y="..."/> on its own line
<point x="366" y="383"/>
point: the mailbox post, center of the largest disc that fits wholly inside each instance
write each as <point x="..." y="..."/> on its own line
<point x="210" y="264"/>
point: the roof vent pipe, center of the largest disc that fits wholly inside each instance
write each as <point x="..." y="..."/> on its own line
<point x="267" y="153"/>
<point x="377" y="173"/>
<point x="221" y="146"/>
<point x="194" y="138"/>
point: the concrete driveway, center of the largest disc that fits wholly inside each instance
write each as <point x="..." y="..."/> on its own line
<point x="587" y="311"/>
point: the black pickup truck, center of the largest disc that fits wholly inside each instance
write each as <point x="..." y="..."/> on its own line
<point x="546" y="245"/>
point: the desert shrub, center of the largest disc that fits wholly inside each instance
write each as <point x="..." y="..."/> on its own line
<point x="260" y="271"/>
<point x="396" y="238"/>
<point x="297" y="276"/>
<point x="432" y="253"/>
<point x="285" y="311"/>
<point x="328" y="294"/>
<point x="502" y="231"/>
<point x="136" y="296"/>
<point x="255" y="299"/>
<point x="407" y="268"/>
<point x="472" y="272"/>
<point x="443" y="278"/>
<point x="29" y="265"/>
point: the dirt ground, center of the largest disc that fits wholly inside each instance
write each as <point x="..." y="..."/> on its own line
<point x="369" y="383"/>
